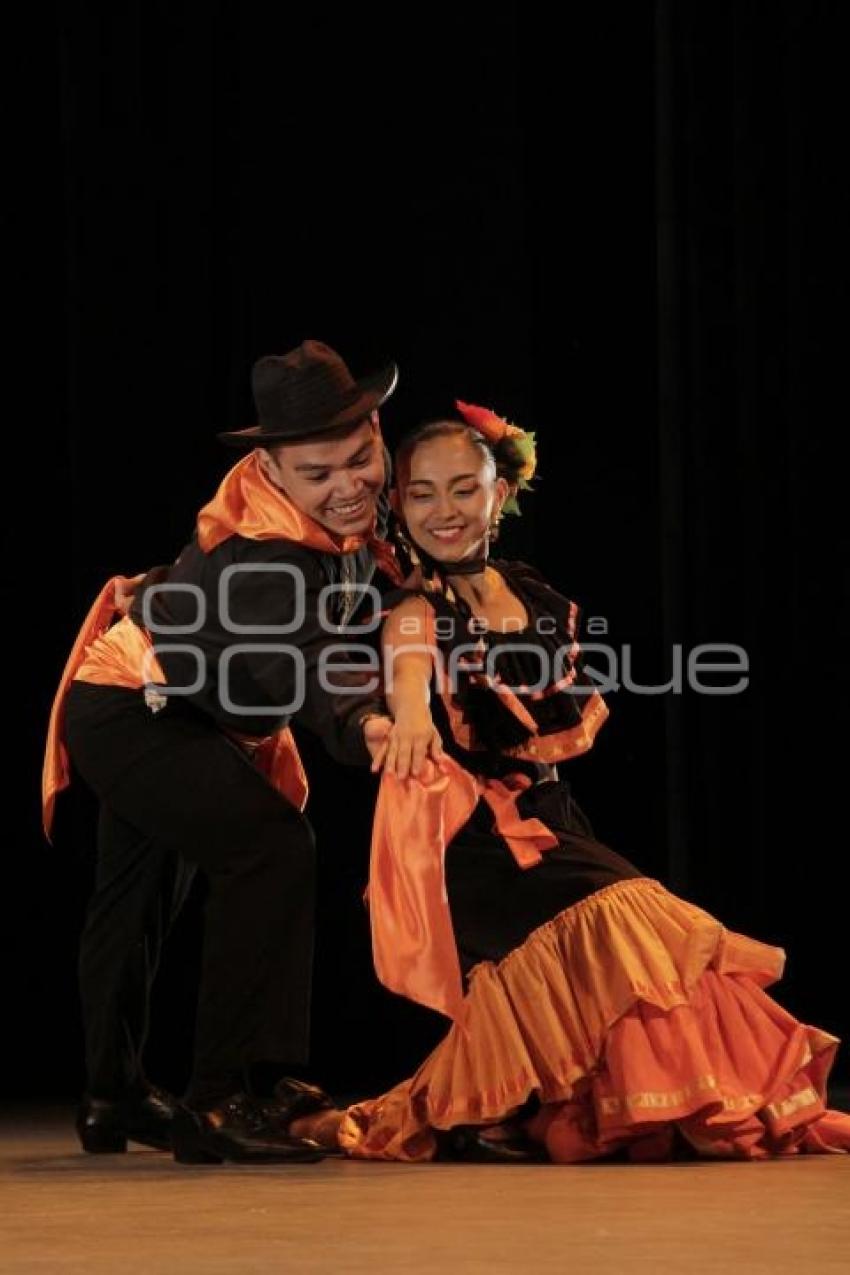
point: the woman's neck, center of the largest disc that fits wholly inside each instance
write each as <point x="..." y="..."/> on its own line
<point x="471" y="568"/>
<point x="475" y="588"/>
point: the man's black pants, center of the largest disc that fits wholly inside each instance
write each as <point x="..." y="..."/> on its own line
<point x="177" y="794"/>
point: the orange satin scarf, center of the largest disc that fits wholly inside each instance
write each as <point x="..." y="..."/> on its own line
<point x="413" y="942"/>
<point x="55" y="775"/>
<point x="123" y="655"/>
<point x="247" y="504"/>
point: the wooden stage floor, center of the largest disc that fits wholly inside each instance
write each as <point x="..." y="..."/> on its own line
<point x="63" y="1213"/>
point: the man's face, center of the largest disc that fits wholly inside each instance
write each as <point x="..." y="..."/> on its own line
<point x="335" y="480"/>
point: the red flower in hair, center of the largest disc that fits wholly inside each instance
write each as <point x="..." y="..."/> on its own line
<point x="495" y="428"/>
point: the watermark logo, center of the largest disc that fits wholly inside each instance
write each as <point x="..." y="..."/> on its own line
<point x="351" y="666"/>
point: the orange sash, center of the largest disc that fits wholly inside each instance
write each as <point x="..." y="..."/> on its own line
<point x="413" y="942"/>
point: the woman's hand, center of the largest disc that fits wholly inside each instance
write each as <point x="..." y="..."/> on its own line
<point x="412" y="740"/>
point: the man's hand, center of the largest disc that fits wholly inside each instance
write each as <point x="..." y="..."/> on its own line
<point x="376" y="735"/>
<point x="125" y="591"/>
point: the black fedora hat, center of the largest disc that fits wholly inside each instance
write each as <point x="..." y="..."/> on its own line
<point x="308" y="391"/>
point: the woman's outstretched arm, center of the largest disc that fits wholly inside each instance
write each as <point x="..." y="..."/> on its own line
<point x="408" y="663"/>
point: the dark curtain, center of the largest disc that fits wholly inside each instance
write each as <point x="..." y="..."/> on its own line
<point x="750" y="217"/>
<point x="620" y="229"/>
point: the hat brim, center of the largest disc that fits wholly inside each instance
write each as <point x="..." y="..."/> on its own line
<point x="372" y="391"/>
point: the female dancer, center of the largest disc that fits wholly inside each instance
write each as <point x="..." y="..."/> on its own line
<point x="593" y="1012"/>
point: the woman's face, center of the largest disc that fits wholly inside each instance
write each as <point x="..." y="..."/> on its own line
<point x="450" y="496"/>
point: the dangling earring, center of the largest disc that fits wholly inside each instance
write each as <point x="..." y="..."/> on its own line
<point x="493" y="529"/>
<point x="407" y="545"/>
<point x="410" y="551"/>
<point x="430" y="572"/>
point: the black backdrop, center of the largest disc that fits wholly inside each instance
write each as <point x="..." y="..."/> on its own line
<point x="621" y="230"/>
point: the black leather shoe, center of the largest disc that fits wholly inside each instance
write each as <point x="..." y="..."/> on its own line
<point x="239" y="1129"/>
<point x="105" y="1126"/>
<point x="294" y="1098"/>
<point x="473" y="1144"/>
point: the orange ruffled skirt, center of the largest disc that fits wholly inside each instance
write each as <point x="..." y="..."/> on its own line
<point x="630" y="1016"/>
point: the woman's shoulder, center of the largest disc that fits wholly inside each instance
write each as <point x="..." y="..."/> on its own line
<point x="404" y="604"/>
<point x="523" y="576"/>
<point x="540" y="597"/>
<point x="414" y="595"/>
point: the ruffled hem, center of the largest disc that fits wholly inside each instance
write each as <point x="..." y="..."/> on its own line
<point x="630" y="1016"/>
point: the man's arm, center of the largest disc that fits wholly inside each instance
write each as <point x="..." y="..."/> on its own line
<point x="332" y="688"/>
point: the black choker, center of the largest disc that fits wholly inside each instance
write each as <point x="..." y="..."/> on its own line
<point x="465" y="567"/>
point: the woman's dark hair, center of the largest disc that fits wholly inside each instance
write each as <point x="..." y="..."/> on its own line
<point x="504" y="455"/>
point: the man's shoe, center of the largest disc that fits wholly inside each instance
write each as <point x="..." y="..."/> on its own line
<point x="239" y="1129"/>
<point x="105" y="1126"/>
<point x="473" y="1144"/>
<point x="294" y="1098"/>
